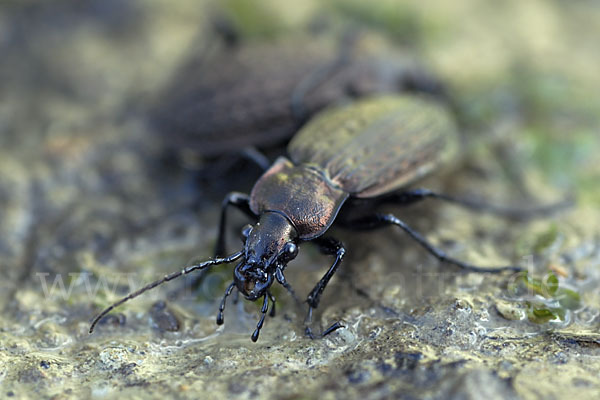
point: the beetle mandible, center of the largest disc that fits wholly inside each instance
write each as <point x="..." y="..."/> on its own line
<point x="370" y="150"/>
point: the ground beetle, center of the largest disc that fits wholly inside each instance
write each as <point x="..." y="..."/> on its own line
<point x="370" y="151"/>
<point x="258" y="94"/>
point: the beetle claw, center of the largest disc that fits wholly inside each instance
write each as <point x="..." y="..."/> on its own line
<point x="334" y="327"/>
<point x="309" y="333"/>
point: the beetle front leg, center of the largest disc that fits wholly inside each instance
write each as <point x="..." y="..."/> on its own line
<point x="242" y="202"/>
<point x="327" y="246"/>
<point x="281" y="279"/>
<point x="261" y="321"/>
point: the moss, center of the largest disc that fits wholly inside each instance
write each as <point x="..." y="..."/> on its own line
<point x="396" y="19"/>
<point x="545" y="300"/>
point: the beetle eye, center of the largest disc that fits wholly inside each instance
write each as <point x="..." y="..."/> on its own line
<point x="290" y="251"/>
<point x="246" y="230"/>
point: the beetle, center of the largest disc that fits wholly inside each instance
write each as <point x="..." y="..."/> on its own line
<point x="258" y="94"/>
<point x="367" y="151"/>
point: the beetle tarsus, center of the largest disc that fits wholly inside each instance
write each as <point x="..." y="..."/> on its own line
<point x="308" y="332"/>
<point x="261" y="321"/>
<point x="272" y="313"/>
<point x="220" y="317"/>
<point x="308" y="322"/>
<point x="334" y="327"/>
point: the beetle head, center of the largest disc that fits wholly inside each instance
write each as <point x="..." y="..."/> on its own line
<point x="269" y="246"/>
<point x="252" y="280"/>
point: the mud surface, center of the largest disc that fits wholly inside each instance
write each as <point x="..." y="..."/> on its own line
<point x="92" y="207"/>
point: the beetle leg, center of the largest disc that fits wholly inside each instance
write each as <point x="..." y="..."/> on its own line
<point x="413" y="196"/>
<point x="280" y="277"/>
<point x="236" y="297"/>
<point x="242" y="202"/>
<point x="328" y="246"/>
<point x="381" y="220"/>
<point x="257" y="157"/>
<point x="272" y="313"/>
<point x="263" y="312"/>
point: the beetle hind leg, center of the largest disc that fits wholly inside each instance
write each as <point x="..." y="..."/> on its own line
<point x="380" y="220"/>
<point x="513" y="213"/>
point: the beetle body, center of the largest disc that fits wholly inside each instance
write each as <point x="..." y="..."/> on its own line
<point x="362" y="150"/>
<point x="369" y="150"/>
<point x="258" y="94"/>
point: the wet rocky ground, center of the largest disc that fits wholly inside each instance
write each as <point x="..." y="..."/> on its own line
<point x="91" y="207"/>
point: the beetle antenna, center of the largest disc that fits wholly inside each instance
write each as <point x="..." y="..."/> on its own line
<point x="166" y="278"/>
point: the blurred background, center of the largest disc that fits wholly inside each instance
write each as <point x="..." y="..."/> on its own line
<point x="120" y="128"/>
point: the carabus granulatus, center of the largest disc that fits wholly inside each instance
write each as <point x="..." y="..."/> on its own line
<point x="367" y="151"/>
<point x="258" y="94"/>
